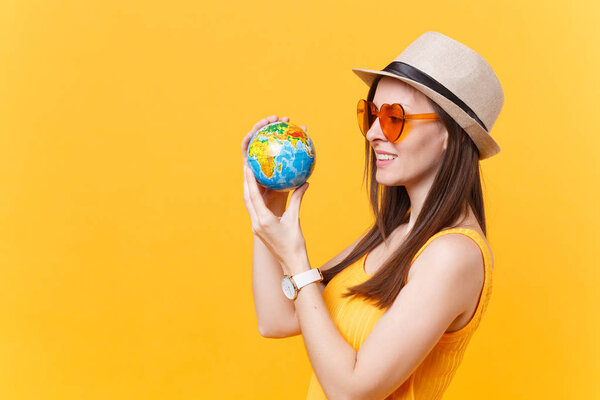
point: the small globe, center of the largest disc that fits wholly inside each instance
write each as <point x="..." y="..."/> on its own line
<point x="281" y="155"/>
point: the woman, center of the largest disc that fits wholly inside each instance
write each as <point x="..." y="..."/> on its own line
<point x="394" y="311"/>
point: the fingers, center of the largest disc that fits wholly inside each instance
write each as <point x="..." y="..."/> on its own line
<point x="263" y="122"/>
<point x="296" y="199"/>
<point x="260" y="210"/>
<point x="247" y="198"/>
<point x="255" y="128"/>
<point x="245" y="142"/>
<point x="303" y="128"/>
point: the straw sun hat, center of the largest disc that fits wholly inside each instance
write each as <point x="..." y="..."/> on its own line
<point x="456" y="78"/>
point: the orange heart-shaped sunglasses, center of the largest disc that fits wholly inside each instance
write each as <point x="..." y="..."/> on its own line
<point x="392" y="118"/>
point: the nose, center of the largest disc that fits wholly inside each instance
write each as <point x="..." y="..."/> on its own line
<point x="375" y="132"/>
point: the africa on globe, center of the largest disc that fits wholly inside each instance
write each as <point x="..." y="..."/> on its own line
<point x="281" y="156"/>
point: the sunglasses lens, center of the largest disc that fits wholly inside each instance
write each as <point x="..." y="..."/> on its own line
<point x="392" y="121"/>
<point x="363" y="112"/>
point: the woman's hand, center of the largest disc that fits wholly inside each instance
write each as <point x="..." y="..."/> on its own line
<point x="281" y="234"/>
<point x="274" y="200"/>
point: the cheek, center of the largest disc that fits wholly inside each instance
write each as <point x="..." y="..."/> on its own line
<point x="410" y="148"/>
<point x="418" y="152"/>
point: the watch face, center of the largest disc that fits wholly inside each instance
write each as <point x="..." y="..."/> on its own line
<point x="288" y="287"/>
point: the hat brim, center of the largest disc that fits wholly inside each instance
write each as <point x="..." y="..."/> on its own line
<point x="486" y="145"/>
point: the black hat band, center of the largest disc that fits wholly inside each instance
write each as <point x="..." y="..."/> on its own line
<point x="408" y="71"/>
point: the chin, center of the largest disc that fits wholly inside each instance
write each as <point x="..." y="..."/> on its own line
<point x="389" y="178"/>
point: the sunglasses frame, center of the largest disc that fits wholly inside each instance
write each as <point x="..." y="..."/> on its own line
<point x="370" y="109"/>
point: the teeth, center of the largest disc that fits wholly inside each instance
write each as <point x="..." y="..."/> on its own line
<point x="385" y="157"/>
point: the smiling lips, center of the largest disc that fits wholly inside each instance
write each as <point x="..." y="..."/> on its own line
<point x="384" y="155"/>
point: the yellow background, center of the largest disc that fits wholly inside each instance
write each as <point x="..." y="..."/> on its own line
<point x="125" y="245"/>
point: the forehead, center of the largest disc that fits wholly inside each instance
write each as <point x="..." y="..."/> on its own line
<point x="390" y="90"/>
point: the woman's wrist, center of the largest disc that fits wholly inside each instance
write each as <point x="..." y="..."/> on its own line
<point x="296" y="264"/>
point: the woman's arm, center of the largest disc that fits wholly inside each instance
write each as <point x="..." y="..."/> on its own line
<point x="446" y="278"/>
<point x="293" y="328"/>
<point x="276" y="315"/>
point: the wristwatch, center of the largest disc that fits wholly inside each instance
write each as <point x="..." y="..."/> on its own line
<point x="291" y="285"/>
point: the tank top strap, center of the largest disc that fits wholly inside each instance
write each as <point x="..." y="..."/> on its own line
<point x="473" y="234"/>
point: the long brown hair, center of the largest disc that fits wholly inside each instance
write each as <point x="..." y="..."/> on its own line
<point x="456" y="186"/>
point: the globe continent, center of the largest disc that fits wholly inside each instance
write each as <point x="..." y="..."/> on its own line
<point x="282" y="156"/>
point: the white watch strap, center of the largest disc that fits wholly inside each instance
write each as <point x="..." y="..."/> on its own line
<point x="304" y="278"/>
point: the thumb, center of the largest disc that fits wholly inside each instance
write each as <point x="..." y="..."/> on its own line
<point x="296" y="199"/>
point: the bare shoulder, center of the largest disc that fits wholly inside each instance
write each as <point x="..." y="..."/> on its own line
<point x="455" y="258"/>
<point x="459" y="247"/>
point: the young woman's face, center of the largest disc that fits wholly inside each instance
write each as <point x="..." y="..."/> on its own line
<point x="422" y="143"/>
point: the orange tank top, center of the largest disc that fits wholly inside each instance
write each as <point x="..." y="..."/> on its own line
<point x="355" y="318"/>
